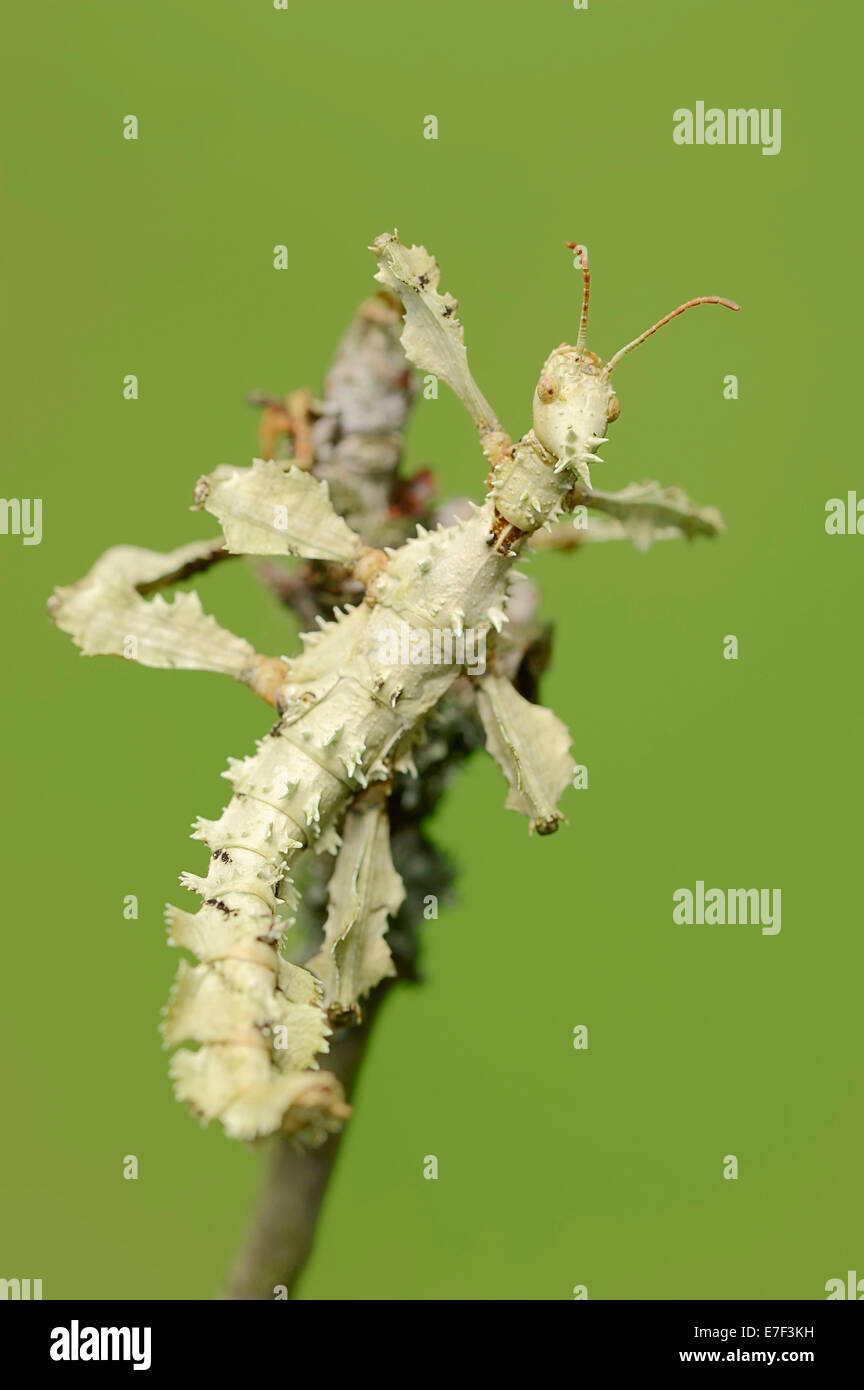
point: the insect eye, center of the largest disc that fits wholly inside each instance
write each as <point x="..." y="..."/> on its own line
<point x="546" y="389"/>
<point x="613" y="409"/>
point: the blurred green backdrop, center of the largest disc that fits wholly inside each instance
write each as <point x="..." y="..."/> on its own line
<point x="304" y="127"/>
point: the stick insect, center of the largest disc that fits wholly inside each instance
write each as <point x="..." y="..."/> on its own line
<point x="349" y="713"/>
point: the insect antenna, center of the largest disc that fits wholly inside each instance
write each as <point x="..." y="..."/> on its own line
<point x="691" y="304"/>
<point x="582" y="253"/>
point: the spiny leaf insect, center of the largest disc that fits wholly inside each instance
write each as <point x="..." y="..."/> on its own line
<point x="350" y="716"/>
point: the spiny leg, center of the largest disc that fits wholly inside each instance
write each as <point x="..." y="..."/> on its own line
<point x="270" y="510"/>
<point x="106" y="614"/>
<point x="531" y="746"/>
<point x="641" y="513"/>
<point x="433" y="337"/>
<point x="365" y="892"/>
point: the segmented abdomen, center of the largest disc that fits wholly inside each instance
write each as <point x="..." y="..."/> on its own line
<point x="347" y="719"/>
<point x="259" y="1019"/>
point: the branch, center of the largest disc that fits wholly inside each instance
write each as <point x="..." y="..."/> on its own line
<point x="283" y="1227"/>
<point x="368" y="395"/>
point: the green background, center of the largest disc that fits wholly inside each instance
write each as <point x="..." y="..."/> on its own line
<point x="304" y="127"/>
